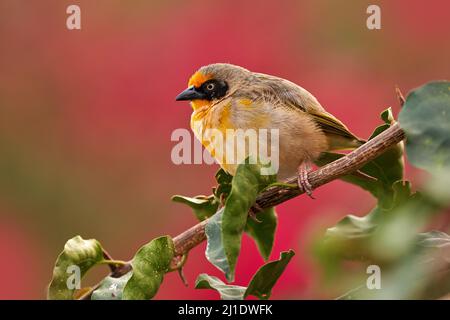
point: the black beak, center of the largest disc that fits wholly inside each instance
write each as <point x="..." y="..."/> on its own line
<point x="190" y="93"/>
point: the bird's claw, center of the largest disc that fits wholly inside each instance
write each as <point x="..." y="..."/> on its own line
<point x="303" y="183"/>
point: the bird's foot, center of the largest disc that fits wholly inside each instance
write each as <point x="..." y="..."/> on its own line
<point x="302" y="179"/>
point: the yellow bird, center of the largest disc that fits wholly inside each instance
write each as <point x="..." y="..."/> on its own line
<point x="225" y="96"/>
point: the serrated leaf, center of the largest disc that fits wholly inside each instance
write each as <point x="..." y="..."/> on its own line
<point x="78" y="256"/>
<point x="265" y="278"/>
<point x="425" y="118"/>
<point x="227" y="292"/>
<point x="246" y="185"/>
<point x="263" y="232"/>
<point x="111" y="288"/>
<point x="203" y="206"/>
<point x="150" y="264"/>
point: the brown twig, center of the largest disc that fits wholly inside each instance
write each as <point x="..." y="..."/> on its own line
<point x="353" y="161"/>
<point x="400" y="96"/>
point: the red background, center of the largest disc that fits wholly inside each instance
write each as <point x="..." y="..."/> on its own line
<point x="86" y="118"/>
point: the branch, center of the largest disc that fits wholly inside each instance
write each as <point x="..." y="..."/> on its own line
<point x="276" y="195"/>
<point x="348" y="164"/>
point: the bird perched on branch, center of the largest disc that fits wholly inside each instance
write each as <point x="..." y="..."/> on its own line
<point x="225" y="96"/>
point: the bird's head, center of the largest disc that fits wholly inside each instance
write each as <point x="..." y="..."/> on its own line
<point x="212" y="83"/>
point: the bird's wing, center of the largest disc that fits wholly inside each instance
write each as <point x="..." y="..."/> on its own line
<point x="287" y="94"/>
<point x="329" y="124"/>
<point x="301" y="99"/>
<point x="338" y="135"/>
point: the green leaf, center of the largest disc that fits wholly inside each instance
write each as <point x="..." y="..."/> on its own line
<point x="436" y="188"/>
<point x="346" y="240"/>
<point x="260" y="286"/>
<point x="349" y="228"/>
<point x="397" y="231"/>
<point x="351" y="236"/>
<point x="150" y="264"/>
<point x="214" y="247"/>
<point x="111" y="288"/>
<point x="265" y="278"/>
<point x="79" y="255"/>
<point x="399" y="283"/>
<point x="425" y="118"/>
<point x="246" y="185"/>
<point x="388" y="118"/>
<point x="263" y="232"/>
<point x="386" y="169"/>
<point x="416" y="275"/>
<point x="224" y="183"/>
<point x="227" y="292"/>
<point x="203" y="206"/>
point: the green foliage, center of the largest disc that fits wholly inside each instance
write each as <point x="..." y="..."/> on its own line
<point x="223" y="188"/>
<point x="78" y="254"/>
<point x="111" y="288"/>
<point x="265" y="278"/>
<point x="203" y="206"/>
<point x="413" y="275"/>
<point x="425" y="118"/>
<point x="150" y="264"/>
<point x="215" y="252"/>
<point x="263" y="231"/>
<point x="384" y="170"/>
<point x="260" y="285"/>
<point x="348" y="239"/>
<point x="224" y="230"/>
<point x="389" y="236"/>
<point x="226" y="291"/>
<point x="245" y="187"/>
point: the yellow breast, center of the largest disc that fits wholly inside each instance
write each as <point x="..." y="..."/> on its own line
<point x="230" y="114"/>
<point x="209" y="124"/>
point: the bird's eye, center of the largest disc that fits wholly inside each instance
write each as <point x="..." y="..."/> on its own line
<point x="210" y="86"/>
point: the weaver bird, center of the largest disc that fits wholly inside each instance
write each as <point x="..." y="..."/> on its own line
<point x="225" y="96"/>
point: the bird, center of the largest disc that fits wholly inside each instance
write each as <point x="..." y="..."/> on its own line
<point x="225" y="96"/>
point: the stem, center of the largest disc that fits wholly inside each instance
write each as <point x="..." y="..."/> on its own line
<point x="113" y="262"/>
